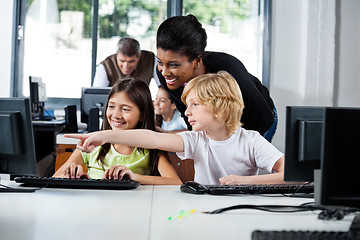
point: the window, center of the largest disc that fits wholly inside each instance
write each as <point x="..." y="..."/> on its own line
<point x="61" y="46"/>
<point x="138" y="19"/>
<point x="234" y="27"/>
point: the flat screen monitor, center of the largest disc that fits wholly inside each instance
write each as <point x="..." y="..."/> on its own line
<point x="303" y="142"/>
<point x="17" y="148"/>
<point x="38" y="98"/>
<point x="92" y="98"/>
<point x="340" y="163"/>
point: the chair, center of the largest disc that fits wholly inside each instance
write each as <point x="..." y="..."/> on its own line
<point x="63" y="153"/>
<point x="184" y="168"/>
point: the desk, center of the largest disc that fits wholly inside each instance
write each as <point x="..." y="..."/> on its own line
<point x="44" y="135"/>
<point x="143" y="213"/>
<point x="76" y="214"/>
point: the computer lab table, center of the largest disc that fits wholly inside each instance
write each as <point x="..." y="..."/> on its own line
<point x="144" y="212"/>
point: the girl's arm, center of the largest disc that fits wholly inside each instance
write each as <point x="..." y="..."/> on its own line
<point x="134" y="138"/>
<point x="167" y="172"/>
<point x="71" y="166"/>
<point x="271" y="178"/>
<point x="168" y="175"/>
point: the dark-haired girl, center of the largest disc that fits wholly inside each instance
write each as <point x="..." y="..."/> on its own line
<point x="129" y="106"/>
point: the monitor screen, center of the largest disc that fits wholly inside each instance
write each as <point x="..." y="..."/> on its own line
<point x="303" y="142"/>
<point x="93" y="98"/>
<point x="340" y="163"/>
<point x="17" y="148"/>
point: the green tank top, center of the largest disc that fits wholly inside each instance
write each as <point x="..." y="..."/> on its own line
<point x="137" y="162"/>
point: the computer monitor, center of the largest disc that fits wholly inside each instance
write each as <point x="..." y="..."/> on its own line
<point x="17" y="148"/>
<point x="93" y="99"/>
<point x="340" y="163"/>
<point x="303" y="142"/>
<point x="38" y="98"/>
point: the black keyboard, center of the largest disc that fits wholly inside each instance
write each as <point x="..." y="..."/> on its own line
<point x="304" y="235"/>
<point x="29" y="181"/>
<point x="260" y="189"/>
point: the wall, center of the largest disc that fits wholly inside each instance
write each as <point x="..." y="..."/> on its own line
<point x="6" y="13"/>
<point x="348" y="54"/>
<point x="314" y="53"/>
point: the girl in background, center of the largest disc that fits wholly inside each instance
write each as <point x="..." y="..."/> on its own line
<point x="129" y="106"/>
<point x="168" y="118"/>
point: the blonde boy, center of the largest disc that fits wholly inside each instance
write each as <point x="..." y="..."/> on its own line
<point x="222" y="151"/>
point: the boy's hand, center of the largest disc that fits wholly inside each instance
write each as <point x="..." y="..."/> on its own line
<point x="88" y="141"/>
<point x="233" y="180"/>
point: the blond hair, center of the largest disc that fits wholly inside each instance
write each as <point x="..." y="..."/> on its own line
<point x="221" y="93"/>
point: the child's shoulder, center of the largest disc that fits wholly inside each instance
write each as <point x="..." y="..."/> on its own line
<point x="244" y="133"/>
<point x="193" y="135"/>
<point x="248" y="132"/>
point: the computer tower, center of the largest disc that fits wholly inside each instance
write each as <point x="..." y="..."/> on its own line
<point x="93" y="124"/>
<point x="71" y="119"/>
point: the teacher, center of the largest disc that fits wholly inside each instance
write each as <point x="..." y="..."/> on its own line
<point x="181" y="42"/>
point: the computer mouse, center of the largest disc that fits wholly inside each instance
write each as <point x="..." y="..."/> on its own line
<point x="193" y="187"/>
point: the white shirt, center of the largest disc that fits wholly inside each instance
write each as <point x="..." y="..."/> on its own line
<point x="176" y="123"/>
<point x="242" y="154"/>
<point x="101" y="78"/>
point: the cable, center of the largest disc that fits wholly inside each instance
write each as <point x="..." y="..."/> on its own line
<point x="336" y="213"/>
<point x="325" y="214"/>
<point x="270" y="208"/>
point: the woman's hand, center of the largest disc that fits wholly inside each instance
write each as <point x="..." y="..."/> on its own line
<point x="119" y="172"/>
<point x="74" y="171"/>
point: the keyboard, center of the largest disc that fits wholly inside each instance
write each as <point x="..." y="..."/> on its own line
<point x="301" y="188"/>
<point x="260" y="189"/>
<point x="304" y="235"/>
<point x="30" y="181"/>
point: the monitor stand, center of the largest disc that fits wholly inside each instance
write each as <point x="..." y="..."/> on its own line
<point x="7" y="189"/>
<point x="355" y="224"/>
<point x="303" y="195"/>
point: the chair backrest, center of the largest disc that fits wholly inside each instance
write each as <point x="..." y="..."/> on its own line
<point x="184" y="168"/>
<point x="62" y="158"/>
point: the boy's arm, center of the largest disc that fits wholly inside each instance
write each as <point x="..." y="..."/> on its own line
<point x="135" y="138"/>
<point x="271" y="178"/>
